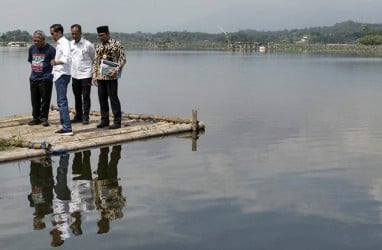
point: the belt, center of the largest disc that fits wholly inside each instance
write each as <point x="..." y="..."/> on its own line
<point x="41" y="81"/>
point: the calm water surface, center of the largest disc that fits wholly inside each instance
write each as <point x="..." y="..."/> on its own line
<point x="291" y="159"/>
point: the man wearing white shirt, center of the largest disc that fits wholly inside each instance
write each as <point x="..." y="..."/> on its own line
<point x="82" y="52"/>
<point x="61" y="76"/>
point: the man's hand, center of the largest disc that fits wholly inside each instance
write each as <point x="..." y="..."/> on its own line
<point x="112" y="73"/>
<point x="94" y="81"/>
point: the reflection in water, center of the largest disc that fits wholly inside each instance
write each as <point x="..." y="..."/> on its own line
<point x="61" y="213"/>
<point x="108" y="193"/>
<point x="41" y="196"/>
<point x="82" y="194"/>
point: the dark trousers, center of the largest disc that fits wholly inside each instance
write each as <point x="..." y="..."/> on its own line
<point x="108" y="89"/>
<point x="41" y="93"/>
<point x="61" y="188"/>
<point x="81" y="91"/>
<point x="107" y="170"/>
<point x="81" y="166"/>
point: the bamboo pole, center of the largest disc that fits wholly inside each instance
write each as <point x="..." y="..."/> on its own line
<point x="10" y="124"/>
<point x="194" y="140"/>
<point x="15" y="118"/>
<point x="31" y="145"/>
<point x="24" y="154"/>
<point x="195" y="120"/>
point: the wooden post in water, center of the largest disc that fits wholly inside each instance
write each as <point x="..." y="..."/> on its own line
<point x="195" y="125"/>
<point x="195" y="128"/>
<point x="194" y="137"/>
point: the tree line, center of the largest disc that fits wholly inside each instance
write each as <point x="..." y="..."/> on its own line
<point x="348" y="32"/>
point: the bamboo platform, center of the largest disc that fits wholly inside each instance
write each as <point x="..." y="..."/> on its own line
<point x="35" y="141"/>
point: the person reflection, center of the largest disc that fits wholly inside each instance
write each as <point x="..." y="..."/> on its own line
<point x="41" y="196"/>
<point x="108" y="193"/>
<point x="82" y="194"/>
<point x="61" y="217"/>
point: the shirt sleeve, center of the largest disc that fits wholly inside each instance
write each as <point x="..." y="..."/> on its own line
<point x="91" y="50"/>
<point x="122" y="57"/>
<point x="53" y="51"/>
<point x="30" y="55"/>
<point x="96" y="61"/>
<point x="64" y="56"/>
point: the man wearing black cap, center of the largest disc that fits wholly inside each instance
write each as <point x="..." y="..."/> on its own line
<point x="108" y="52"/>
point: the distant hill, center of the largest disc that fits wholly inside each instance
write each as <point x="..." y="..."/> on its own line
<point x="347" y="32"/>
<point x="344" y="32"/>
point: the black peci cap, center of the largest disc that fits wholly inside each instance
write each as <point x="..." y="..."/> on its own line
<point x="103" y="29"/>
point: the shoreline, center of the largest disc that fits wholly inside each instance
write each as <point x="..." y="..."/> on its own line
<point x="342" y="49"/>
<point x="336" y="49"/>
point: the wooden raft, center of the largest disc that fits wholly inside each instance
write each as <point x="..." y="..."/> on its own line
<point x="34" y="141"/>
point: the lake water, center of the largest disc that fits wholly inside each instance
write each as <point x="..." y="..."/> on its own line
<point x="291" y="158"/>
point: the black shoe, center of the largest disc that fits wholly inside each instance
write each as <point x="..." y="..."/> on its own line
<point x="45" y="123"/>
<point x="80" y="177"/>
<point x="76" y="120"/>
<point x="103" y="125"/>
<point x="86" y="121"/>
<point x="34" y="122"/>
<point x="115" y="126"/>
<point x="64" y="132"/>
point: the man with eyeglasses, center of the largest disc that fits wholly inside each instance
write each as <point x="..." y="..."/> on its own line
<point x="41" y="79"/>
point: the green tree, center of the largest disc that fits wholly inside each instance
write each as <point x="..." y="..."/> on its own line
<point x="370" y="40"/>
<point x="16" y="35"/>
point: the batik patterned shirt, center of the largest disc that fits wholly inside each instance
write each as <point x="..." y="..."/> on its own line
<point x="111" y="51"/>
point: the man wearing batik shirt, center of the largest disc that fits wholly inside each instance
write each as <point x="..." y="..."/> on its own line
<point x="41" y="79"/>
<point x="107" y="82"/>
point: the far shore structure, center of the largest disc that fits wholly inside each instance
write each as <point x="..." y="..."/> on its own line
<point x="19" y="141"/>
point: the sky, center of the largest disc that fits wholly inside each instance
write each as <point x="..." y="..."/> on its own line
<point x="154" y="16"/>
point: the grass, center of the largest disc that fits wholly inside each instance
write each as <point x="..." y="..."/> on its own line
<point x="4" y="144"/>
<point x="15" y="141"/>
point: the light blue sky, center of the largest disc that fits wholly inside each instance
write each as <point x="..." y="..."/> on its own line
<point x="191" y="15"/>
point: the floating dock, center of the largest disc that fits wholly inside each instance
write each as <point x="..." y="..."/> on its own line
<point x="22" y="141"/>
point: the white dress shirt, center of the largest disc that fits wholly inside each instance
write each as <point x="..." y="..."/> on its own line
<point x="82" y="196"/>
<point x="82" y="58"/>
<point x="62" y="55"/>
